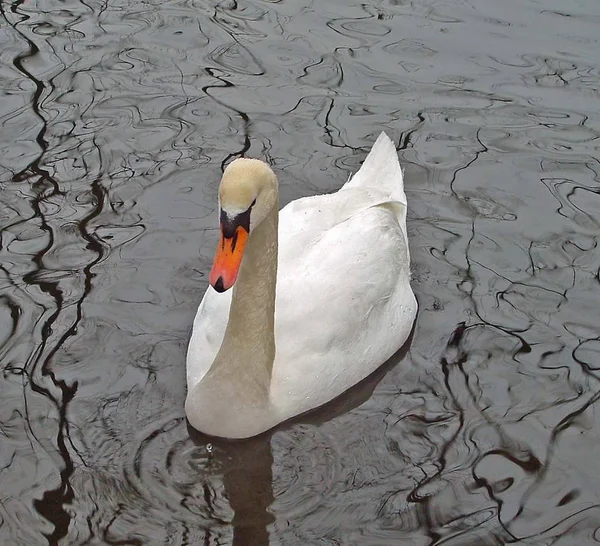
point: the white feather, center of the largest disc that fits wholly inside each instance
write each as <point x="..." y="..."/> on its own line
<point x="343" y="304"/>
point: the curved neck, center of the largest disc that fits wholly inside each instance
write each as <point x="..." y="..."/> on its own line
<point x="245" y="359"/>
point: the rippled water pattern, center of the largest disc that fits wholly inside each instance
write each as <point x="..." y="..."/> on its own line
<point x="116" y="118"/>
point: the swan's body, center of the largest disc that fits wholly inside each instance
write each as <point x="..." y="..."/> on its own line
<point x="343" y="303"/>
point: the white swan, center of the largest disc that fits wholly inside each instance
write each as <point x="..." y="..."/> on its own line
<point x="343" y="305"/>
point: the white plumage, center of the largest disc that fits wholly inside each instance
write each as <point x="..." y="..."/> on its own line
<point x="343" y="305"/>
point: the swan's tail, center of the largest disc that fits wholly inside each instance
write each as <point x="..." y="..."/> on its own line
<point x="381" y="169"/>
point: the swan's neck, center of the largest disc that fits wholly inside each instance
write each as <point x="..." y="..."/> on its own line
<point x="245" y="359"/>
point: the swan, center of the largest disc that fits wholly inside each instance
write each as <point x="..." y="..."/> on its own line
<point x="321" y="296"/>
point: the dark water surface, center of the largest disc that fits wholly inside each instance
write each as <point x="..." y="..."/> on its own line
<point x="116" y="118"/>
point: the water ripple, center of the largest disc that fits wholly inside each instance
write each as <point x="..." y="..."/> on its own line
<point x="117" y="118"/>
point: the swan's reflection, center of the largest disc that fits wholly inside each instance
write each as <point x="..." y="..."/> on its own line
<point x="246" y="465"/>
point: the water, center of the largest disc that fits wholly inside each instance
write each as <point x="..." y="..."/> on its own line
<point x="117" y="117"/>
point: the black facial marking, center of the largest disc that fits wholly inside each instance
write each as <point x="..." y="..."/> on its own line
<point x="230" y="224"/>
<point x="234" y="241"/>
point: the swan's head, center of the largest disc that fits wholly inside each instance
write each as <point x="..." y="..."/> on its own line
<point x="247" y="193"/>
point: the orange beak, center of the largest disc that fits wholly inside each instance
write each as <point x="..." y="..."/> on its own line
<point x="228" y="259"/>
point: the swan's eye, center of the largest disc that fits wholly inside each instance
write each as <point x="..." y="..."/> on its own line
<point x="253" y="203"/>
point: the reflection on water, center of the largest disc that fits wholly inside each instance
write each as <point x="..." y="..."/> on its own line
<point x="117" y="118"/>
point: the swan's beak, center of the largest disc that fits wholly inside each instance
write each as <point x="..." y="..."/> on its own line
<point x="228" y="258"/>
